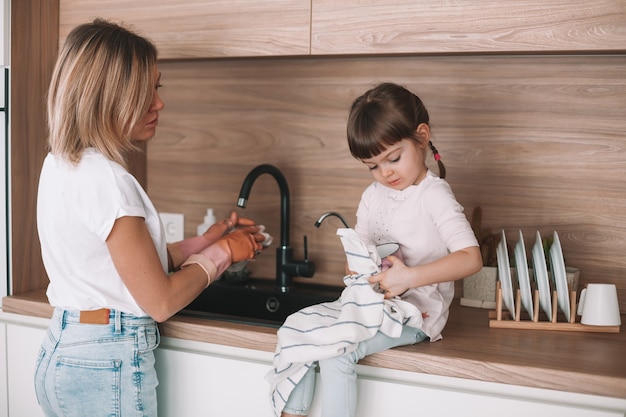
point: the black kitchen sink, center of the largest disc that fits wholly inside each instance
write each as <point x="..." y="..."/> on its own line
<point x="257" y="301"/>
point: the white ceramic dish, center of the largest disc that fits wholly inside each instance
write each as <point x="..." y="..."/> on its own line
<point x="387" y="249"/>
<point x="560" y="277"/>
<point x="541" y="276"/>
<point x="504" y="274"/>
<point x="522" y="275"/>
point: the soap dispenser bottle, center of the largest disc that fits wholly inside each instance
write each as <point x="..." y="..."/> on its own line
<point x="209" y="219"/>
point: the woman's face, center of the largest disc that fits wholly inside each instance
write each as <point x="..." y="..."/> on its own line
<point x="399" y="165"/>
<point x="146" y="127"/>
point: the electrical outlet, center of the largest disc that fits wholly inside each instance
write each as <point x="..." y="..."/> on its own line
<point x="174" y="225"/>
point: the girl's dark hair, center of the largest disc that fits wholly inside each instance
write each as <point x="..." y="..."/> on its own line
<point x="383" y="116"/>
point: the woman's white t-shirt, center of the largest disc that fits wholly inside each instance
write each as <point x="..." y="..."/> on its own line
<point x="428" y="223"/>
<point x="77" y="206"/>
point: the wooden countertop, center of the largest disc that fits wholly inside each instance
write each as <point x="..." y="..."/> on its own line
<point x="588" y="363"/>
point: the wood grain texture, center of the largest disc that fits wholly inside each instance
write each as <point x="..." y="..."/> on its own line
<point x="564" y="361"/>
<point x="407" y="26"/>
<point x="218" y="28"/>
<point x="200" y="28"/>
<point x="34" y="43"/>
<point x="536" y="141"/>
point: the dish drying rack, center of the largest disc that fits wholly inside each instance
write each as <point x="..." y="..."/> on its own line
<point x="502" y="319"/>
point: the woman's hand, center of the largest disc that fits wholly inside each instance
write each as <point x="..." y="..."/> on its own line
<point x="242" y="244"/>
<point x="221" y="228"/>
<point x="179" y="251"/>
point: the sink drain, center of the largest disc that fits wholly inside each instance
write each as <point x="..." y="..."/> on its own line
<point x="272" y="304"/>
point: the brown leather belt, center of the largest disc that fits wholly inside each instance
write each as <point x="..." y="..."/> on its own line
<point x="100" y="316"/>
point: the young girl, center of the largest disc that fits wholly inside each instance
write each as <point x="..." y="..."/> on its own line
<point x="388" y="132"/>
<point x="102" y="242"/>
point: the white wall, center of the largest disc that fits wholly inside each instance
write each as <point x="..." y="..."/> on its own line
<point x="5" y="31"/>
<point x="4" y="60"/>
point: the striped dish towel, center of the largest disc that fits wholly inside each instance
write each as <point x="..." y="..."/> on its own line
<point x="332" y="329"/>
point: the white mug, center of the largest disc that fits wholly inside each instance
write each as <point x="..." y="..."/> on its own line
<point x="599" y="306"/>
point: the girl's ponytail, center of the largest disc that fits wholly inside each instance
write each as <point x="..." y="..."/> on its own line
<point x="442" y="168"/>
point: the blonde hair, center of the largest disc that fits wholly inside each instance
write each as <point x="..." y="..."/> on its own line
<point x="102" y="85"/>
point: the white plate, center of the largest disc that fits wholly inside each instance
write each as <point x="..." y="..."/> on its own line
<point x="560" y="277"/>
<point x="541" y="275"/>
<point x="387" y="249"/>
<point x="504" y="273"/>
<point x="522" y="275"/>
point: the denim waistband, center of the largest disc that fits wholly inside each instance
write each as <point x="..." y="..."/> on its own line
<point x="115" y="316"/>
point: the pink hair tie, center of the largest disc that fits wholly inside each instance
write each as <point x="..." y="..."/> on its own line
<point x="437" y="157"/>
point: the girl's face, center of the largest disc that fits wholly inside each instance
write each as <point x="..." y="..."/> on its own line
<point x="146" y="127"/>
<point x="399" y="166"/>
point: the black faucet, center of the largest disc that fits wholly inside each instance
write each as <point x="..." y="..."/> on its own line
<point x="286" y="266"/>
<point x="319" y="221"/>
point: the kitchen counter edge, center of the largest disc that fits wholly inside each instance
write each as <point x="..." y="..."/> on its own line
<point x="479" y="361"/>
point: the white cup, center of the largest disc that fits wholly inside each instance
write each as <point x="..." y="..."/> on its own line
<point x="599" y="306"/>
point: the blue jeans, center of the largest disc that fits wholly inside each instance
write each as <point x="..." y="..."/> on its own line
<point x="98" y="369"/>
<point x="338" y="376"/>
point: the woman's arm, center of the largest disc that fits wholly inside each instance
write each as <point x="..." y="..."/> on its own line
<point x="456" y="265"/>
<point x="138" y="264"/>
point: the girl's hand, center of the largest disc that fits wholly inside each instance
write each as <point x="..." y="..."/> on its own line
<point x="393" y="281"/>
<point x="456" y="265"/>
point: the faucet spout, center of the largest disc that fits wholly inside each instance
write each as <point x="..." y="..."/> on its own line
<point x="323" y="217"/>
<point x="286" y="266"/>
<point x="246" y="186"/>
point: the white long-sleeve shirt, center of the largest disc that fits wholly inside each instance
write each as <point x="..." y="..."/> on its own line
<point x="428" y="223"/>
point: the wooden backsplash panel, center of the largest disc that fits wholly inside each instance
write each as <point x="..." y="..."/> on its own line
<point x="537" y="141"/>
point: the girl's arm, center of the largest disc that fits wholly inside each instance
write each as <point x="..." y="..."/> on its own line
<point x="456" y="265"/>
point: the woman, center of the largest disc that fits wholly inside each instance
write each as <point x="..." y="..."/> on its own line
<point x="102" y="241"/>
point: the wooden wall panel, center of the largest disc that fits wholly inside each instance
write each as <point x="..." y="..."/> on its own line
<point x="34" y="26"/>
<point x="201" y="28"/>
<point x="408" y="26"/>
<point x="537" y="141"/>
<point x="34" y="49"/>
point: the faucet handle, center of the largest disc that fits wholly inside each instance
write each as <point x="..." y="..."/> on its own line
<point x="304" y="268"/>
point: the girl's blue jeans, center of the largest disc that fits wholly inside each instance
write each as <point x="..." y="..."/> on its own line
<point x="338" y="376"/>
<point x="98" y="369"/>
